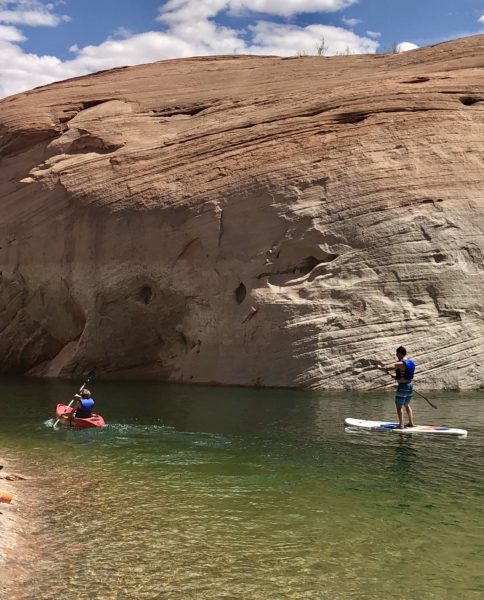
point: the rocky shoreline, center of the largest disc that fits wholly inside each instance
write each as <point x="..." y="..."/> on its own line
<point x="14" y="517"/>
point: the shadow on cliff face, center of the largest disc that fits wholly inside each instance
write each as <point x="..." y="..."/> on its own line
<point x="35" y="326"/>
<point x="134" y="323"/>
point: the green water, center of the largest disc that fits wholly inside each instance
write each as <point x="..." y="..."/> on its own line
<point x="211" y="493"/>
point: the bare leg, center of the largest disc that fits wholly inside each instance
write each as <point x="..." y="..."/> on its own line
<point x="400" y="416"/>
<point x="408" y="408"/>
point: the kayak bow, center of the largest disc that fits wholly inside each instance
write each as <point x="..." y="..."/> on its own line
<point x="63" y="414"/>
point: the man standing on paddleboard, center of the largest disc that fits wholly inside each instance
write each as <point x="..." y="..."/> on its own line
<point x="404" y="371"/>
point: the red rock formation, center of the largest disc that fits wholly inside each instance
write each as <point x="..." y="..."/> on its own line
<point x="248" y="220"/>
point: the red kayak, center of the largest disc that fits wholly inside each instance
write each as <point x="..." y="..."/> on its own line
<point x="63" y="413"/>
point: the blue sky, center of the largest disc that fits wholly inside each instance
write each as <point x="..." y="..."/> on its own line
<point x="43" y="41"/>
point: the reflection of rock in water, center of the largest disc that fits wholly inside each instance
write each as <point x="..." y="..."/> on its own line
<point x="247" y="220"/>
<point x="405" y="459"/>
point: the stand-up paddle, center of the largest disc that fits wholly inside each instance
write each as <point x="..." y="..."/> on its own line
<point x="418" y="393"/>
<point x="370" y="363"/>
<point x="426" y="399"/>
<point x="89" y="377"/>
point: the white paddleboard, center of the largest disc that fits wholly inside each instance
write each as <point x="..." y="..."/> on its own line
<point x="388" y="426"/>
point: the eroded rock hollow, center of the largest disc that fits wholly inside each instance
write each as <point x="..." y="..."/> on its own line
<point x="248" y="220"/>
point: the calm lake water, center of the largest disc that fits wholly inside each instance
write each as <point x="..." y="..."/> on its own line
<point x="210" y="493"/>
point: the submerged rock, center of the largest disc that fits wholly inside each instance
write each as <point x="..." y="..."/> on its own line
<point x="248" y="220"/>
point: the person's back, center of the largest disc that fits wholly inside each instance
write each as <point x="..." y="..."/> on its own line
<point x="404" y="370"/>
<point x="404" y="374"/>
<point x="85" y="404"/>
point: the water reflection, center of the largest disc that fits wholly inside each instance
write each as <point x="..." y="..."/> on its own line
<point x="406" y="459"/>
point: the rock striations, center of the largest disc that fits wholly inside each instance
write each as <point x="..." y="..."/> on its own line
<point x="248" y="220"/>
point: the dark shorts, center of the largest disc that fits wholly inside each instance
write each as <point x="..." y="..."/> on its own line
<point x="403" y="394"/>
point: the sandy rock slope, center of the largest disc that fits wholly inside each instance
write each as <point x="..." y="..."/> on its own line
<point x="248" y="220"/>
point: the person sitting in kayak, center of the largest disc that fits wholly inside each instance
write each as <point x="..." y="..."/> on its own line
<point x="404" y="372"/>
<point x="83" y="405"/>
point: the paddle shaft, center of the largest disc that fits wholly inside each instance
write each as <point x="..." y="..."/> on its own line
<point x="426" y="399"/>
<point x="421" y="395"/>
<point x="90" y="377"/>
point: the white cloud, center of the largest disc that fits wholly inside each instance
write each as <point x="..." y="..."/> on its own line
<point x="154" y="45"/>
<point x="481" y="19"/>
<point x="21" y="71"/>
<point x="29" y="12"/>
<point x="286" y="40"/>
<point x="177" y="10"/>
<point x="208" y="38"/>
<point x="351" y="22"/>
<point x="373" y="34"/>
<point x="405" y="46"/>
<point x="287" y="8"/>
<point x="190" y="30"/>
<point x="11" y="34"/>
<point x="191" y="11"/>
<point x="122" y="32"/>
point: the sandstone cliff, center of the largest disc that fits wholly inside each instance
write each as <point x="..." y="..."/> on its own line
<point x="248" y="220"/>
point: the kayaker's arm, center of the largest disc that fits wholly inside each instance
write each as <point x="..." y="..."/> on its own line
<point x="75" y="405"/>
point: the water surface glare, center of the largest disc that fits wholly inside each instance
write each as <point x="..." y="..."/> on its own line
<point x="210" y="493"/>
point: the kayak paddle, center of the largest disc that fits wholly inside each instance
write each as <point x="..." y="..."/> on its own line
<point x="89" y="377"/>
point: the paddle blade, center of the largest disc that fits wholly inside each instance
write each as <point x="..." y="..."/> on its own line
<point x="89" y="377"/>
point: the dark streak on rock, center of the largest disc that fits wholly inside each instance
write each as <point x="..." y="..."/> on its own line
<point x="469" y="100"/>
<point x="221" y="228"/>
<point x="417" y="80"/>
<point x="240" y="293"/>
